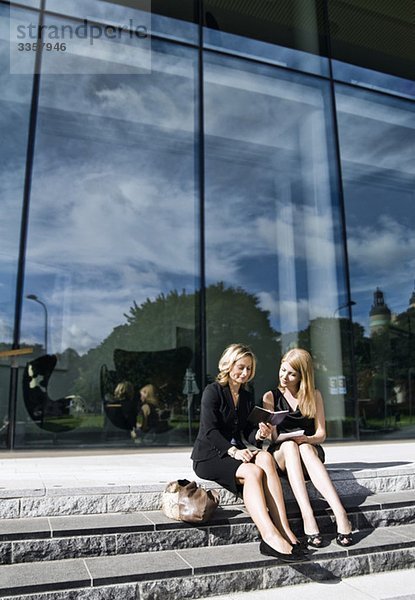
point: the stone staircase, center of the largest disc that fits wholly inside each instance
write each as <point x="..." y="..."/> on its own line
<point x="105" y="542"/>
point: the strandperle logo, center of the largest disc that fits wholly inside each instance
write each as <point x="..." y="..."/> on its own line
<point x="83" y="31"/>
<point x="83" y="46"/>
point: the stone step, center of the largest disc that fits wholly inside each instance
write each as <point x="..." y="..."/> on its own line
<point x="44" y="500"/>
<point x="57" y="538"/>
<point x="203" y="572"/>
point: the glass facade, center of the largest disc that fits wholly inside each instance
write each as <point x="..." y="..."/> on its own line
<point x="175" y="179"/>
<point x="377" y="141"/>
<point x="15" y="98"/>
<point x="273" y="239"/>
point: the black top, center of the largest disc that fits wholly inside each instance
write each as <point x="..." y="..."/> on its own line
<point x="294" y="419"/>
<point x="221" y="424"/>
<point x="150" y="421"/>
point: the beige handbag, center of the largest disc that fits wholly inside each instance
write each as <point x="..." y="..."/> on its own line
<point x="184" y="500"/>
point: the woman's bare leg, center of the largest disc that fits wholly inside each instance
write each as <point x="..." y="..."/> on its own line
<point x="251" y="476"/>
<point x="288" y="458"/>
<point x="322" y="482"/>
<point x="274" y="496"/>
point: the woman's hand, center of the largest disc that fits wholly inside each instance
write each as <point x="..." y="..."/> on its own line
<point x="265" y="431"/>
<point x="301" y="439"/>
<point x="245" y="455"/>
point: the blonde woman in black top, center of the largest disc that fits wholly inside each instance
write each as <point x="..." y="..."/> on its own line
<point x="220" y="454"/>
<point x="302" y="456"/>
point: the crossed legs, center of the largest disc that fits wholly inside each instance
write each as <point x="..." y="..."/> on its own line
<point x="259" y="489"/>
<point x="274" y="495"/>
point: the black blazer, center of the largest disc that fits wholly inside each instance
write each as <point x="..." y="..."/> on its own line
<point x="217" y="422"/>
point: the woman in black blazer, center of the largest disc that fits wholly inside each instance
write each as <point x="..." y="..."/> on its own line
<point x="220" y="454"/>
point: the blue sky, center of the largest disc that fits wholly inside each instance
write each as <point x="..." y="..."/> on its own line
<point x="377" y="140"/>
<point x="114" y="198"/>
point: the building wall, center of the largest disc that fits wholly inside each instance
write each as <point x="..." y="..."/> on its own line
<point x="180" y="176"/>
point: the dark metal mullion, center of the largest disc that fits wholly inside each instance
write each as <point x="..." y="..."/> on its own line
<point x="342" y="209"/>
<point x="201" y="156"/>
<point x="31" y="140"/>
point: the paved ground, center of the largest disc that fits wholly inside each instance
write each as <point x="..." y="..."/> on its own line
<point x="150" y="466"/>
<point x="395" y="585"/>
<point x="38" y="470"/>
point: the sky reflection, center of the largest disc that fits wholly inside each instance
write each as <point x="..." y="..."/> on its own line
<point x="114" y="202"/>
<point x="113" y="206"/>
<point x="377" y="138"/>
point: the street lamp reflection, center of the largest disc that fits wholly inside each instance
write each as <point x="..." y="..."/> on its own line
<point x="345" y="305"/>
<point x="36" y="299"/>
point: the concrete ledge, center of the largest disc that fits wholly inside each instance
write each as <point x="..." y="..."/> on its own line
<point x="155" y="520"/>
<point x="201" y="572"/>
<point x="58" y="485"/>
<point x="78" y="501"/>
<point x="28" y="578"/>
<point x="346" y="480"/>
<point x="57" y="538"/>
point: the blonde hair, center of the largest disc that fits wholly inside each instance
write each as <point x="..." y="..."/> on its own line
<point x="124" y="391"/>
<point x="300" y="360"/>
<point x="230" y="356"/>
<point x="151" y="394"/>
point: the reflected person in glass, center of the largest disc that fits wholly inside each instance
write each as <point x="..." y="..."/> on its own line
<point x="124" y="395"/>
<point x="152" y="416"/>
<point x="295" y="443"/>
<point x="220" y="454"/>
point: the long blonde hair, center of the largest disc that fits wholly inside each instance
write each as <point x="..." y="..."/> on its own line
<point x="230" y="356"/>
<point x="150" y="394"/>
<point x="124" y="391"/>
<point x="300" y="360"/>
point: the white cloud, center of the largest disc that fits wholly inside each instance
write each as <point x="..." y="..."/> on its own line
<point x="113" y="212"/>
<point x="289" y="315"/>
<point x="6" y="331"/>
<point x="77" y="338"/>
<point x="313" y="233"/>
<point x="381" y="255"/>
<point x="377" y="134"/>
<point x="385" y="248"/>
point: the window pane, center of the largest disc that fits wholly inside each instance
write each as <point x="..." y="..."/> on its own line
<point x="288" y="32"/>
<point x="31" y="3"/>
<point x="15" y="97"/>
<point x="377" y="35"/>
<point x="111" y="258"/>
<point x="162" y="17"/>
<point x="377" y="135"/>
<point x="273" y="253"/>
<point x="373" y="80"/>
<point x="84" y="46"/>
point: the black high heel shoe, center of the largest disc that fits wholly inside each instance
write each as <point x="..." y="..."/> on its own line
<point x="315" y="540"/>
<point x="299" y="545"/>
<point x="344" y="539"/>
<point x="297" y="554"/>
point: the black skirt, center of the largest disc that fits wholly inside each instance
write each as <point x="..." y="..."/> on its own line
<point x="222" y="470"/>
